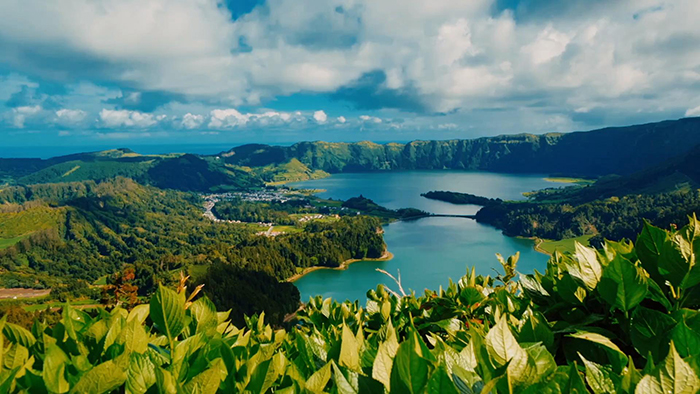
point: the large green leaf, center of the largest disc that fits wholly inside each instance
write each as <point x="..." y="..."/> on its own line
<point x="536" y="329"/>
<point x="204" y="313"/>
<point x="318" y="381"/>
<point x="19" y="335"/>
<point x="55" y="364"/>
<point x="141" y="374"/>
<point x="101" y="379"/>
<point x="349" y="350"/>
<point x="648" y="331"/>
<point x="411" y="370"/>
<point x="501" y="344"/>
<point x="676" y="259"/>
<point x="623" y="285"/>
<point x="650" y="244"/>
<point x="686" y="340"/>
<point x="440" y="382"/>
<point x="206" y="382"/>
<point x="383" y="363"/>
<point x="674" y="375"/>
<point x="587" y="268"/>
<point x="600" y="378"/>
<point x="167" y="312"/>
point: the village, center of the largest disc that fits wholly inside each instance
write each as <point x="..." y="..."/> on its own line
<point x="210" y="201"/>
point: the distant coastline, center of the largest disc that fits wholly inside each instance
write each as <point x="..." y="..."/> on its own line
<point x="342" y="267"/>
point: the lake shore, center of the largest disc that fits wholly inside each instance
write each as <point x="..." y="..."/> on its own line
<point x="342" y="267"/>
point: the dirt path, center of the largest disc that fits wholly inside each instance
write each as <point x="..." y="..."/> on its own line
<point x="9" y="294"/>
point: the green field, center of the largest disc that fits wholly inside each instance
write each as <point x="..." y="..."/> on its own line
<point x="565" y="245"/>
<point x="56" y="304"/>
<point x="578" y="181"/>
<point x="7" y="242"/>
<point x="287" y="229"/>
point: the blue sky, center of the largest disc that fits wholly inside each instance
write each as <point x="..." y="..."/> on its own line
<point x="79" y="73"/>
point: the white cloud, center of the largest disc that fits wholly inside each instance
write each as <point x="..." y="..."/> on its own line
<point x="370" y="119"/>
<point x="191" y="121"/>
<point x="221" y="118"/>
<point x="70" y="116"/>
<point x="125" y="118"/>
<point x="450" y="55"/>
<point x="693" y="111"/>
<point x="341" y="119"/>
<point x="320" y="117"/>
<point x="21" y="114"/>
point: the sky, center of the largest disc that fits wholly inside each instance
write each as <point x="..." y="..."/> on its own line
<point x="77" y="73"/>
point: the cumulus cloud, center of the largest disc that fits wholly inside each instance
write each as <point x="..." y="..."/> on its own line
<point x="21" y="114"/>
<point x="320" y="116"/>
<point x="370" y="119"/>
<point x="70" y="116"/>
<point x="693" y="111"/>
<point x="615" y="59"/>
<point x="192" y="121"/>
<point x="125" y="118"/>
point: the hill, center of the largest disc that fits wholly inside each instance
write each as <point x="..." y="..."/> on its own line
<point x="175" y="171"/>
<point x="620" y="150"/>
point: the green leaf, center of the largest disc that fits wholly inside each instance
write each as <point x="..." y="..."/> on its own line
<point x="501" y="344"/>
<point x="165" y="382"/>
<point x="204" y="313"/>
<point x="648" y="330"/>
<point x="54" y="370"/>
<point x="587" y="268"/>
<point x="600" y="379"/>
<point x="383" y="363"/>
<point x="206" y="382"/>
<point x="672" y="376"/>
<point x="167" y="312"/>
<point x="101" y="379"/>
<point x="349" y="350"/>
<point x="623" y="285"/>
<point x="141" y="374"/>
<point x="318" y="381"/>
<point x="440" y="382"/>
<point x="686" y="340"/>
<point x="575" y="383"/>
<point x="630" y="378"/>
<point x="341" y="382"/>
<point x="19" y="335"/>
<point x="676" y="259"/>
<point x="536" y="329"/>
<point x="650" y="244"/>
<point x="411" y="370"/>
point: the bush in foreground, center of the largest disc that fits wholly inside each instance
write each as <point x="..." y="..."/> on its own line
<point x="623" y="319"/>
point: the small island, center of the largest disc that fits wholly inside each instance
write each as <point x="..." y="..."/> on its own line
<point x="461" y="198"/>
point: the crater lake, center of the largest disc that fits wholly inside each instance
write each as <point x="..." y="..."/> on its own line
<point x="427" y="251"/>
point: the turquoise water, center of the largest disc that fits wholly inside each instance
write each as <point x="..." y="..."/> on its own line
<point x="427" y="251"/>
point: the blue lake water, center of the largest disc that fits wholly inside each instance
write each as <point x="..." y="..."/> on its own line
<point x="427" y="251"/>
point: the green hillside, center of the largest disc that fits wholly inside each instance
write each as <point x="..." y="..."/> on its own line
<point x="182" y="172"/>
<point x="622" y="150"/>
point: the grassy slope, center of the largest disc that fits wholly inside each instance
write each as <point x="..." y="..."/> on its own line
<point x="564" y="245"/>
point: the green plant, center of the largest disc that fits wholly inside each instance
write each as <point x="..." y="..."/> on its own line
<point x="586" y="325"/>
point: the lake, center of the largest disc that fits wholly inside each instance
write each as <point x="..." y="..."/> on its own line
<point x="427" y="251"/>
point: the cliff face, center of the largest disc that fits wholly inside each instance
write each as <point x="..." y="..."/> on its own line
<point x="622" y="150"/>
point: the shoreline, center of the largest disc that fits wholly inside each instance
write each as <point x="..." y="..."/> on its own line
<point x="342" y="267"/>
<point x="537" y="242"/>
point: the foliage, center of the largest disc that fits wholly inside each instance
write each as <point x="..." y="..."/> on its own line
<point x="623" y="319"/>
<point x="461" y="198"/>
<point x="268" y="212"/>
<point x="369" y="207"/>
<point x="614" y="218"/>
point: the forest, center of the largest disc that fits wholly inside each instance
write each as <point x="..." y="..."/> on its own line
<point x="614" y="218"/>
<point x="87" y="231"/>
